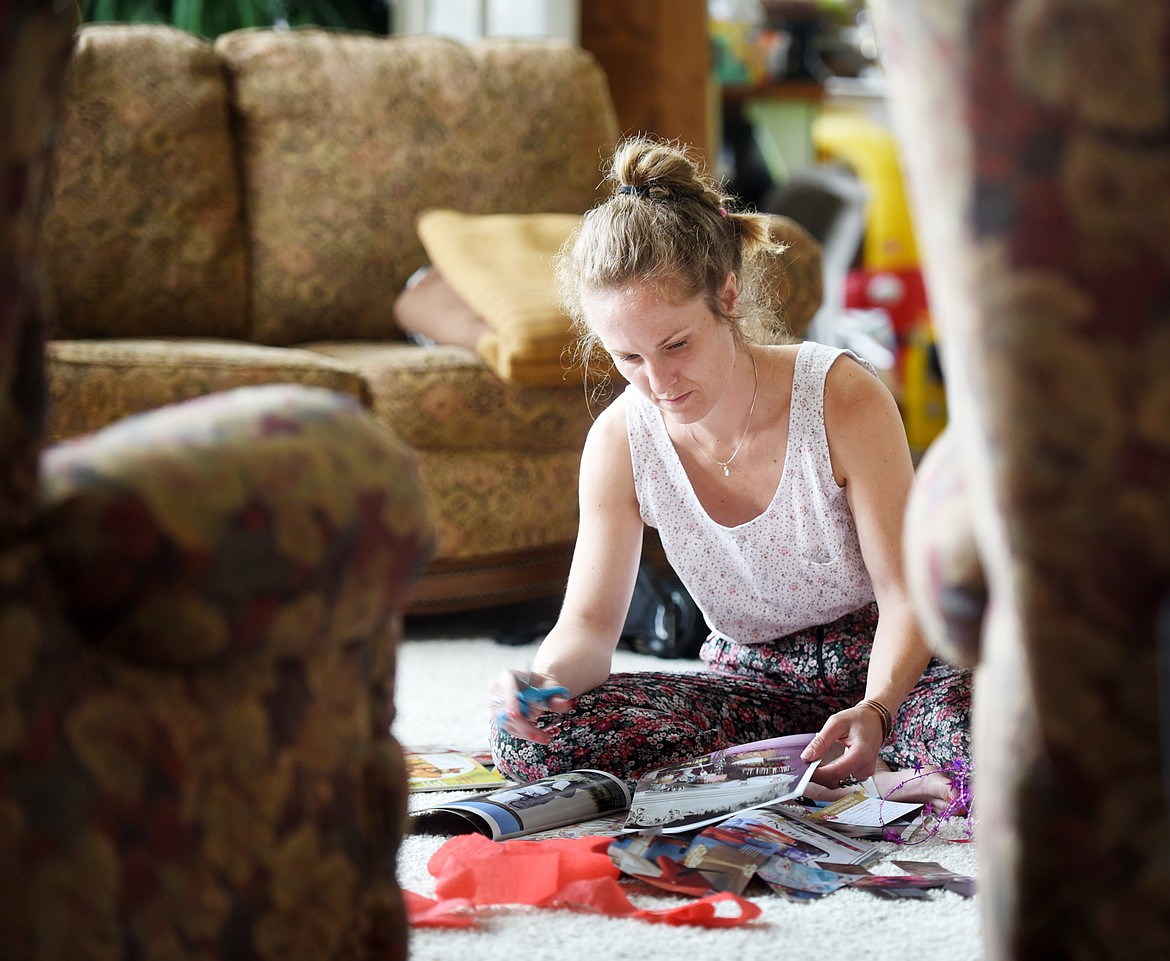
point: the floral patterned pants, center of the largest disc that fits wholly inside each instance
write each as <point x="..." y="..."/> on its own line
<point x="633" y="723"/>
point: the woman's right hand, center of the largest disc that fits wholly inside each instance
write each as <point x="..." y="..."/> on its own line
<point x="517" y="716"/>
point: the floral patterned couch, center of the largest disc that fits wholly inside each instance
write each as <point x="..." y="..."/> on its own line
<point x="244" y="212"/>
<point x="198" y="615"/>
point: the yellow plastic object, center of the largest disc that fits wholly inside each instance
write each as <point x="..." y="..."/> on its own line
<point x="923" y="397"/>
<point x="869" y="148"/>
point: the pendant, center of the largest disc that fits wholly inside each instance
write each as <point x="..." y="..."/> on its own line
<point x="726" y="471"/>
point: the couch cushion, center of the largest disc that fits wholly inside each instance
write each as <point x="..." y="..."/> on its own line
<point x="93" y="383"/>
<point x="545" y="125"/>
<point x="143" y="234"/>
<point x="444" y="399"/>
<point x="499" y="463"/>
<point x="344" y="139"/>
<point x="492" y="502"/>
<point x="500" y="265"/>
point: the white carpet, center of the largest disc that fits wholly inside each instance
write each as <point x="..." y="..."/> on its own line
<point x="442" y="699"/>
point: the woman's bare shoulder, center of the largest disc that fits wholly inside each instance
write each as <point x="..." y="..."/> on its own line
<point x="849" y="382"/>
<point x="610" y="424"/>
<point x="862" y="421"/>
<point x="607" y="473"/>
<point x="607" y="446"/>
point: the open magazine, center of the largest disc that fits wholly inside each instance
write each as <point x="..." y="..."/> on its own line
<point x="675" y="798"/>
<point x="531" y="808"/>
<point x="448" y="769"/>
<point x="707" y="789"/>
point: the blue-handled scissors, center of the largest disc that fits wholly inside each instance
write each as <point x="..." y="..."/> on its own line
<point x="528" y="694"/>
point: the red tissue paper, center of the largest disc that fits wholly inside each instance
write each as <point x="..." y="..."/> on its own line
<point x="426" y="913"/>
<point x="574" y="873"/>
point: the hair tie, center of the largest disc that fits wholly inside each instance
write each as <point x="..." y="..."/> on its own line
<point x="722" y="211"/>
<point x="641" y="191"/>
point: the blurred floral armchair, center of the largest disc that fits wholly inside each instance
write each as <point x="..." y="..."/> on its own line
<point x="198" y="618"/>
<point x="1035" y="135"/>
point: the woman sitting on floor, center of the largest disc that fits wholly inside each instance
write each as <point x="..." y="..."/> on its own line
<point x="776" y="476"/>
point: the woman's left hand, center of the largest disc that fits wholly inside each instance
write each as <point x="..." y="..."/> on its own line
<point x="518" y="714"/>
<point x="858" y="730"/>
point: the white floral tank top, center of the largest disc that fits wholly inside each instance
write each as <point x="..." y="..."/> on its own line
<point x="796" y="565"/>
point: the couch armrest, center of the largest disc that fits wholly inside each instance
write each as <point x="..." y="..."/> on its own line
<point x="272" y="519"/>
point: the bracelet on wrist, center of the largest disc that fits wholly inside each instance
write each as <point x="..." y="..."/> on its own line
<point x="883" y="712"/>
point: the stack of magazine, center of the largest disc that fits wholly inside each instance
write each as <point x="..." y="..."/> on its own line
<point x="709" y="824"/>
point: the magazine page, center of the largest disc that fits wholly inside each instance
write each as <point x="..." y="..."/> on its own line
<point x="606" y="826"/>
<point x="801" y="859"/>
<point x="719" y="858"/>
<point x="805" y="881"/>
<point x="727" y="855"/>
<point x="798" y="839"/>
<point x="523" y="809"/>
<point x="447" y="769"/>
<point x="707" y="789"/>
<point x="661" y="860"/>
<point x="864" y="815"/>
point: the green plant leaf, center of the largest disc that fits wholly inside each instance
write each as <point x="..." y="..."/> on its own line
<point x="101" y="11"/>
<point x="126" y="11"/>
<point x="209" y="18"/>
<point x="364" y="14"/>
<point x="188" y="15"/>
<point x="320" y="12"/>
<point x="149" y="11"/>
<point x="338" y="14"/>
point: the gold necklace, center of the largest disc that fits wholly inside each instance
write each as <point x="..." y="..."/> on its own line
<point x="726" y="464"/>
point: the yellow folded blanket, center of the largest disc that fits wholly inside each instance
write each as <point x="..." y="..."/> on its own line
<point x="500" y="265"/>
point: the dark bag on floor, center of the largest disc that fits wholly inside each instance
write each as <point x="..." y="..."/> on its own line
<point x="663" y="619"/>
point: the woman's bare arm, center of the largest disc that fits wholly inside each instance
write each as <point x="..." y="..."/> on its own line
<point x="867" y="442"/>
<point x="578" y="652"/>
